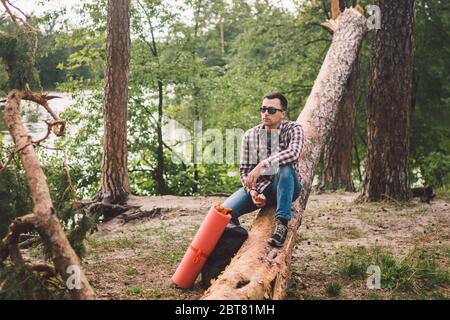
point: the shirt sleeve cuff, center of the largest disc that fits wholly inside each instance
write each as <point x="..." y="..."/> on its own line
<point x="266" y="163"/>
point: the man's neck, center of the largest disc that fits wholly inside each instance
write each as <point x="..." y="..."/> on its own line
<point x="269" y="129"/>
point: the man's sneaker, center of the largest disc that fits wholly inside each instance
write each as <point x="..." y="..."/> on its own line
<point x="232" y="225"/>
<point x="279" y="235"/>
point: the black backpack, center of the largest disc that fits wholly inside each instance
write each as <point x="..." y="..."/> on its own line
<point x="227" y="246"/>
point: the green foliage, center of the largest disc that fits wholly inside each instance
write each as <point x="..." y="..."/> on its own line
<point x="265" y="48"/>
<point x="14" y="195"/>
<point x="79" y="233"/>
<point x="436" y="169"/>
<point x="84" y="146"/>
<point x="15" y="279"/>
<point x="419" y="271"/>
<point x="16" y="200"/>
<point x="76" y="224"/>
<point x="131" y="271"/>
<point x="333" y="289"/>
<point x="430" y="140"/>
<point x="134" y="291"/>
<point x="16" y="52"/>
<point x="354" y="264"/>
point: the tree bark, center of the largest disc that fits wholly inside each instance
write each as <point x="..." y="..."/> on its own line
<point x="337" y="165"/>
<point x="196" y="91"/>
<point x="159" y="173"/>
<point x="115" y="186"/>
<point x="259" y="271"/>
<point x="389" y="103"/>
<point x="44" y="217"/>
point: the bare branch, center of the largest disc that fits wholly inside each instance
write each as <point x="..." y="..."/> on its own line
<point x="43" y="267"/>
<point x="9" y="246"/>
<point x="8" y="10"/>
<point x="153" y="47"/>
<point x="18" y="9"/>
<point x="335" y="10"/>
<point x="40" y="98"/>
<point x="4" y="165"/>
<point x="50" y="125"/>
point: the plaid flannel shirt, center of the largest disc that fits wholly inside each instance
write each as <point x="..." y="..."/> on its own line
<point x="282" y="147"/>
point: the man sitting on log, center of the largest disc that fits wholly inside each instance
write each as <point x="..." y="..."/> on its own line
<point x="269" y="167"/>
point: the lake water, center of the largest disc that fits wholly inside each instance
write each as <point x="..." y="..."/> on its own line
<point x="33" y="116"/>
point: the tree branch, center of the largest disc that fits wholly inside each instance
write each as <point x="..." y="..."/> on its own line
<point x="9" y="246"/>
<point x="335" y="10"/>
<point x="153" y="47"/>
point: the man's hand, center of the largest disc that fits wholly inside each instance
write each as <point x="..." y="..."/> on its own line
<point x="258" y="199"/>
<point x="253" y="176"/>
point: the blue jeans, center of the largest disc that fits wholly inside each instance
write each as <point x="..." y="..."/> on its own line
<point x="282" y="191"/>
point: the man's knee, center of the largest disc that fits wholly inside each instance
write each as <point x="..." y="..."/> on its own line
<point x="239" y="202"/>
<point x="285" y="171"/>
<point x="235" y="199"/>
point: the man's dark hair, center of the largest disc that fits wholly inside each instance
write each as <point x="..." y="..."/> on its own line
<point x="277" y="95"/>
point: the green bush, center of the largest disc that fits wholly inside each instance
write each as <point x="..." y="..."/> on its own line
<point x="435" y="169"/>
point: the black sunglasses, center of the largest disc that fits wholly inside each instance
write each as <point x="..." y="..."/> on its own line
<point x="271" y="110"/>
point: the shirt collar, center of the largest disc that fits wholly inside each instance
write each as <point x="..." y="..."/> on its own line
<point x="283" y="123"/>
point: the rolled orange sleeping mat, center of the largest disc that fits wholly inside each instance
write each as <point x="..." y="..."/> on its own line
<point x="203" y="244"/>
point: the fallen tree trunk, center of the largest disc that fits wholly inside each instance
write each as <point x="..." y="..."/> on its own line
<point x="259" y="271"/>
<point x="44" y="217"/>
